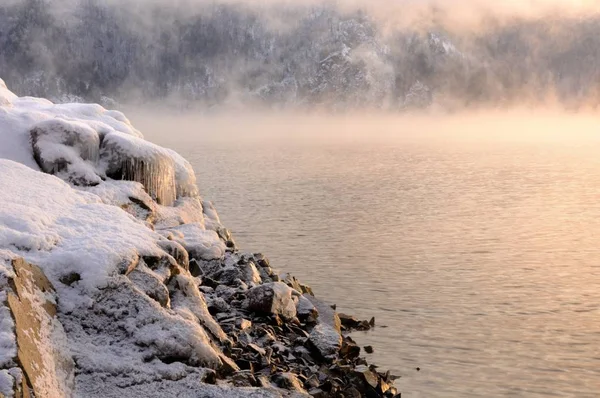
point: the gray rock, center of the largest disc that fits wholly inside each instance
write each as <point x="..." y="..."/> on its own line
<point x="326" y="336"/>
<point x="306" y="310"/>
<point x="67" y="149"/>
<point x="272" y="298"/>
<point x="289" y="381"/>
<point x="144" y="280"/>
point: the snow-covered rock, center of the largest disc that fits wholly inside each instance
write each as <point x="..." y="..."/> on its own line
<point x="129" y="311"/>
<point x="275" y="298"/>
<point x="118" y="280"/>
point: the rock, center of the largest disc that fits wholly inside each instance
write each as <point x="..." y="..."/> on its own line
<point x="70" y="278"/>
<point x="352" y="393"/>
<point x="272" y="298"/>
<point x="292" y="282"/>
<point x="225" y="236"/>
<point x="227" y="367"/>
<point x="46" y="364"/>
<point x="368" y="349"/>
<point x="289" y="381"/>
<point x="349" y="322"/>
<point x="177" y="251"/>
<point x="186" y="298"/>
<point x="317" y="393"/>
<point x="228" y="275"/>
<point x="67" y="149"/>
<point x="326" y="340"/>
<point x="134" y="159"/>
<point x="257" y="349"/>
<point x="250" y="273"/>
<point x="225" y="292"/>
<point x="306" y="310"/>
<point x="218" y="305"/>
<point x="147" y="282"/>
<point x="243" y="324"/>
<point x="349" y="350"/>
<point x="326" y="336"/>
<point x="261" y="260"/>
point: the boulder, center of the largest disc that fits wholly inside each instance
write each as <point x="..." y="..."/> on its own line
<point x="67" y="149"/>
<point x="306" y="310"/>
<point x="326" y="336"/>
<point x="272" y="298"/>
<point x="47" y="365"/>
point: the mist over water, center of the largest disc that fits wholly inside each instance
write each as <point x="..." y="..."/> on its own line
<point x="472" y="237"/>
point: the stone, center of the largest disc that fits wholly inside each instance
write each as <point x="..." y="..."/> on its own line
<point x="306" y="310"/>
<point x="261" y="260"/>
<point x="250" y="273"/>
<point x="177" y="251"/>
<point x="67" y="149"/>
<point x="326" y="340"/>
<point x="326" y="336"/>
<point x="257" y="349"/>
<point x="289" y="381"/>
<point x="70" y="278"/>
<point x="272" y="298"/>
<point x="228" y="366"/>
<point x="217" y="304"/>
<point x="225" y="236"/>
<point x="48" y="367"/>
<point x="228" y="275"/>
<point x="144" y="280"/>
<point x="243" y="324"/>
<point x="368" y="349"/>
<point x="349" y="350"/>
<point x="348" y="321"/>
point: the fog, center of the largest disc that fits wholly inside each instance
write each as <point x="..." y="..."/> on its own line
<point x="318" y="56"/>
<point x="193" y="131"/>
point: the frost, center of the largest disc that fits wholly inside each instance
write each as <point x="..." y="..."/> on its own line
<point x="67" y="147"/>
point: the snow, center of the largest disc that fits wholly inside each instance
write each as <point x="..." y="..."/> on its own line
<point x="129" y="314"/>
<point x="66" y="231"/>
<point x="8" y="345"/>
<point x="199" y="242"/>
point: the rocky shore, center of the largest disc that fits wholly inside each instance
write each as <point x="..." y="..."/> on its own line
<point x="117" y="279"/>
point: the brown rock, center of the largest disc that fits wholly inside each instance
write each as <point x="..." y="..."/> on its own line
<point x="35" y="324"/>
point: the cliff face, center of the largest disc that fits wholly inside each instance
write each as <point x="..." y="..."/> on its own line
<point x="117" y="279"/>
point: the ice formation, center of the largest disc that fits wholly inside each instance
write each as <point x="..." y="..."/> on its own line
<point x="131" y="158"/>
<point x="85" y="143"/>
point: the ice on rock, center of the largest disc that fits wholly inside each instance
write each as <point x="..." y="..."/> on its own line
<point x="131" y="158"/>
<point x="184" y="176"/>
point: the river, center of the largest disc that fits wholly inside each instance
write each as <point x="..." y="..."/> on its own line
<point x="474" y="241"/>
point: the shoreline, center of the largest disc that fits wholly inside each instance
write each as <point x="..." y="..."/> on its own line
<point x="131" y="284"/>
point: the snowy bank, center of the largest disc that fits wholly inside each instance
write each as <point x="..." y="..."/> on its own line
<point x="117" y="279"/>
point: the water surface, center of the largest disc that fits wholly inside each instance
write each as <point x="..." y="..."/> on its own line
<point x="474" y="241"/>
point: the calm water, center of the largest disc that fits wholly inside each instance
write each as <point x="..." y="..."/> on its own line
<point x="480" y="251"/>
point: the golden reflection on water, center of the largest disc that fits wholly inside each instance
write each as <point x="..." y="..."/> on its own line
<point x="474" y="238"/>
